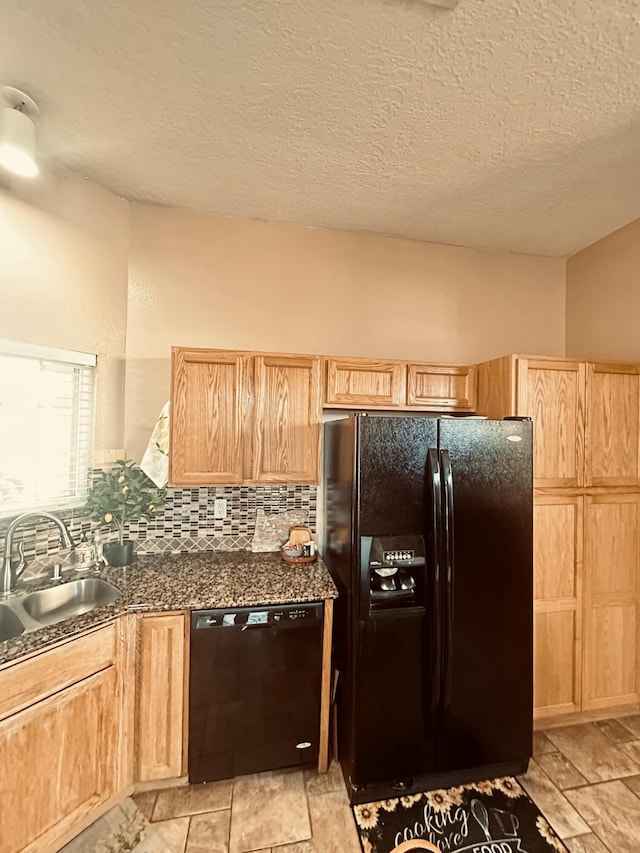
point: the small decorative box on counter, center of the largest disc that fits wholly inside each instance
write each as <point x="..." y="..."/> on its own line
<point x="300" y="547"/>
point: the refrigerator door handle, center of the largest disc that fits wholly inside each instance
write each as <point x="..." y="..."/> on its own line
<point x="449" y="577"/>
<point x="434" y="502"/>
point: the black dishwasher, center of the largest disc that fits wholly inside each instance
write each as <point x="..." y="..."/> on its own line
<point x="254" y="689"/>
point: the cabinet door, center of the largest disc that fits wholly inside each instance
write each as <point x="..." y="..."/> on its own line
<point x="208" y="389"/>
<point x="612" y="555"/>
<point x="558" y="539"/>
<point x="162" y="691"/>
<point x="442" y="387"/>
<point x="552" y="394"/>
<point x="288" y="416"/>
<point x="365" y="383"/>
<point x="613" y="425"/>
<point x="58" y="762"/>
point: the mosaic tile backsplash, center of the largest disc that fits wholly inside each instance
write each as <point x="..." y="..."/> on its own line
<point x="186" y="523"/>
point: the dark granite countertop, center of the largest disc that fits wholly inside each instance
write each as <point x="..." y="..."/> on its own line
<point x="186" y="581"/>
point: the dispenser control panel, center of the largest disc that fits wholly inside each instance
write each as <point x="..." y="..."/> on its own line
<point x="397" y="556"/>
<point x="395" y="566"/>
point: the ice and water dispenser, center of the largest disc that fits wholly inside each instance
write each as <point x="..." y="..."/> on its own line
<point x="393" y="571"/>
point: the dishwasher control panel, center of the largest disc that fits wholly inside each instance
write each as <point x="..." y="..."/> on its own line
<point x="246" y="617"/>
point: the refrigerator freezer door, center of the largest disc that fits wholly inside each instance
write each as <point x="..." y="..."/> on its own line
<point x="390" y="721"/>
<point x="489" y="701"/>
<point x="392" y="740"/>
<point x="392" y="456"/>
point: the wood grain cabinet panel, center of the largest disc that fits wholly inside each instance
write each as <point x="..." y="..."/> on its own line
<point x="552" y="394"/>
<point x="207" y="407"/>
<point x="555" y="673"/>
<point x="161" y="696"/>
<point x="365" y="383"/>
<point x="288" y="415"/>
<point x="611" y="656"/>
<point x="557" y="527"/>
<point x="612" y="562"/>
<point x="613" y="425"/>
<point x="43" y="675"/>
<point x="612" y="544"/>
<point x="496" y="387"/>
<point x="558" y="565"/>
<point x="442" y="387"/>
<point x="59" y="762"/>
<point x="65" y="738"/>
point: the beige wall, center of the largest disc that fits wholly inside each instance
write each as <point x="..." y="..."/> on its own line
<point x="63" y="279"/>
<point x="603" y="297"/>
<point x="199" y="280"/>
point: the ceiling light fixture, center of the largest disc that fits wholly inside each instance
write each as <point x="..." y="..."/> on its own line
<point x="18" y="133"/>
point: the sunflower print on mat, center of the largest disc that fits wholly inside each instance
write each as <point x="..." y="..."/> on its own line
<point x="493" y="816"/>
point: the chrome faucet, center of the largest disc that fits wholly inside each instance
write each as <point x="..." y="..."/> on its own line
<point x="9" y="573"/>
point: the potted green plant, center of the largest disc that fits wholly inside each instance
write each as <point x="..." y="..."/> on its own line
<point x="118" y="496"/>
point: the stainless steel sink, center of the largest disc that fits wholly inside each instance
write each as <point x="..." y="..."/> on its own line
<point x="10" y="624"/>
<point x="21" y="614"/>
<point x="69" y="599"/>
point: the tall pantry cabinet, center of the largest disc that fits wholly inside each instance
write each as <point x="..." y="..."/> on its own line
<point x="586" y="523"/>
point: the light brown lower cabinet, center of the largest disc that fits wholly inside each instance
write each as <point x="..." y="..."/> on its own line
<point x="612" y="540"/>
<point x="558" y="538"/>
<point x="69" y="717"/>
<point x="64" y="746"/>
<point x="162" y="692"/>
<point x="586" y="602"/>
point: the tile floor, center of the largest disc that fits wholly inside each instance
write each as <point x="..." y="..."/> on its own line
<point x="288" y="812"/>
<point x="584" y="778"/>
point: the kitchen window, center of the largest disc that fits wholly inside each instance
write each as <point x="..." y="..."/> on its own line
<point x="47" y="401"/>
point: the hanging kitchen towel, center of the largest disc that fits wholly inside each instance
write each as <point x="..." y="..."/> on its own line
<point x="155" y="462"/>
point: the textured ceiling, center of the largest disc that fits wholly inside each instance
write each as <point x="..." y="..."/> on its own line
<point x="509" y="124"/>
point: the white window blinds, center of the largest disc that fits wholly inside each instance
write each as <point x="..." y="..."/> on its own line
<point x="47" y="400"/>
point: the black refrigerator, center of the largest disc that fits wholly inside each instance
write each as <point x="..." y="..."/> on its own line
<point x="428" y="536"/>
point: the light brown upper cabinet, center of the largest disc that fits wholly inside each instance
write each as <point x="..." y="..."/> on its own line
<point x="365" y="382"/>
<point x="372" y="384"/>
<point x="551" y="392"/>
<point x="586" y="416"/>
<point x="209" y="395"/>
<point x="243" y="417"/>
<point x="288" y="414"/>
<point x="442" y="387"/>
<point x="613" y="425"/>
